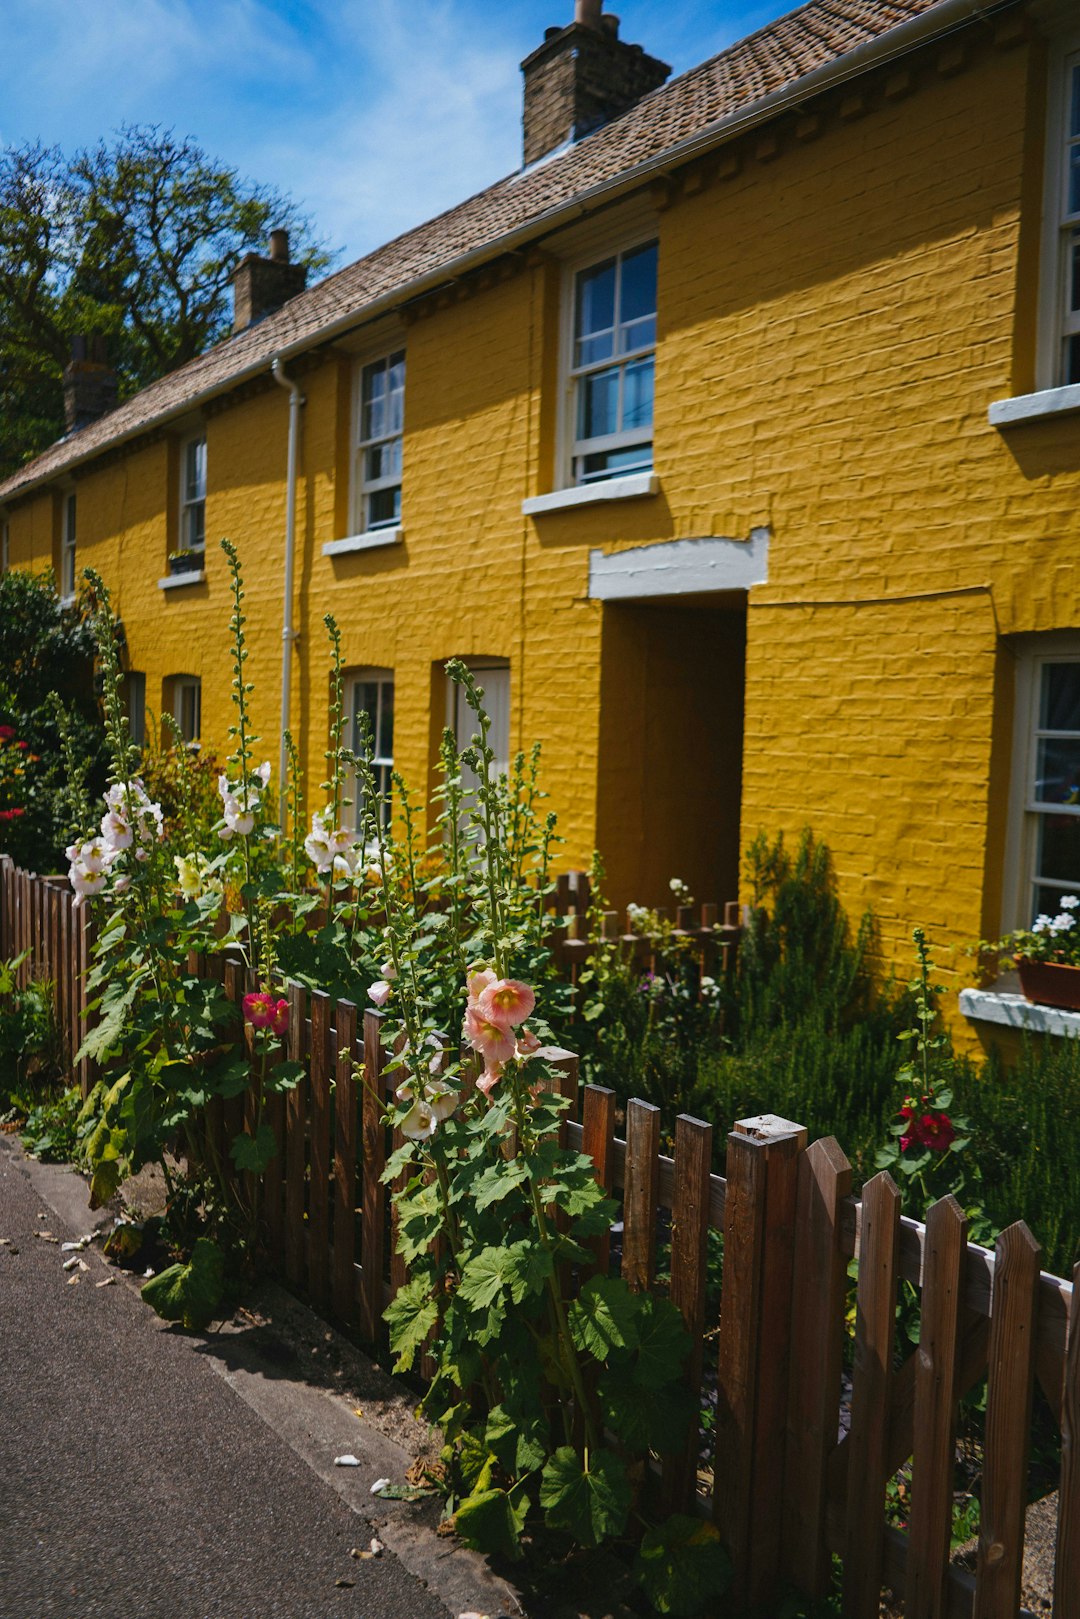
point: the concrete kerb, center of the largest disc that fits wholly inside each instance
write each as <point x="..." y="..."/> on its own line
<point x="318" y="1419"/>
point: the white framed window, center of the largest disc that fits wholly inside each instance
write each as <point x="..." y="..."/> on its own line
<point x="1059" y="292"/>
<point x="380" y="420"/>
<point x="67" y="548"/>
<point x="1043" y="849"/>
<point x="371" y="692"/>
<point x="493" y="678"/>
<point x="610" y="365"/>
<point x="193" y="494"/>
<point x="187" y="706"/>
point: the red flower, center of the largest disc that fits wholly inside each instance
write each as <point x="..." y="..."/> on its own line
<point x="905" y="1143"/>
<point x="280" y="1020"/>
<point x="259" y="1009"/>
<point x="22" y="746"/>
<point x="936" y="1131"/>
<point x="12" y="814"/>
<point x="6" y="733"/>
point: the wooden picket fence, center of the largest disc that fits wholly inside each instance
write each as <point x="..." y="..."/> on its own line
<point x="797" y="1468"/>
<point x="40" y="923"/>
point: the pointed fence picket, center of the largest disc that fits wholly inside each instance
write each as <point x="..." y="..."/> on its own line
<point x="787" y="1486"/>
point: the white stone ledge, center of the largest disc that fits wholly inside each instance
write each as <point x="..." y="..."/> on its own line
<point x="631" y="487"/>
<point x="1032" y="407"/>
<point x="1014" y="1012"/>
<point x="176" y="580"/>
<point x="372" y="541"/>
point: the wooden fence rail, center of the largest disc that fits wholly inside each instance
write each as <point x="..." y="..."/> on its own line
<point x="799" y="1462"/>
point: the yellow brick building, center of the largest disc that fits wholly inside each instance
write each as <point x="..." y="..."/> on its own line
<point x="830" y="577"/>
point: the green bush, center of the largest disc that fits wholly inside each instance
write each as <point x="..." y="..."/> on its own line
<point x="1027" y="1142"/>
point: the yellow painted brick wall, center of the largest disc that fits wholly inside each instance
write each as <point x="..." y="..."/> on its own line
<point x="833" y="324"/>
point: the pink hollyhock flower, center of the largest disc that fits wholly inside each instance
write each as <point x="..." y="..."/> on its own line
<point x="478" y="981"/>
<point x="280" y="1020"/>
<point x="379" y="992"/>
<point x="507" y="1001"/>
<point x="490" y="1078"/>
<point x="259" y="1009"/>
<point x="493" y="1040"/>
<point x="905" y="1143"/>
<point x="528" y="1044"/>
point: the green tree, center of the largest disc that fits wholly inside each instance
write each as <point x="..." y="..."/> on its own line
<point x="133" y="240"/>
<point x="52" y="741"/>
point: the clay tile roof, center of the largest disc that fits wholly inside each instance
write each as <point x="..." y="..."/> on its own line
<point x="769" y="60"/>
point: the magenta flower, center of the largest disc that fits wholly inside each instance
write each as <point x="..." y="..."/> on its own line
<point x="280" y="1020"/>
<point x="259" y="1009"/>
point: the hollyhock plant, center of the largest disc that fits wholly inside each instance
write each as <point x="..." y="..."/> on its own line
<point x="506" y="1001"/>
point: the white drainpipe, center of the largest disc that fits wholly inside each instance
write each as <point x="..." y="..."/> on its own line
<point x="288" y="634"/>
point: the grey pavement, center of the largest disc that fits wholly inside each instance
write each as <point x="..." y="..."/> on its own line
<point x="138" y="1482"/>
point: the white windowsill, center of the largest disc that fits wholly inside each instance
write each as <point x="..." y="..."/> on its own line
<point x="1014" y="1012"/>
<point x="632" y="487"/>
<point x="175" y="580"/>
<point x="1031" y="407"/>
<point x="363" y="542"/>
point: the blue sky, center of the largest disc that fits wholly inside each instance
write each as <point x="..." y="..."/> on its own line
<point x="372" y="114"/>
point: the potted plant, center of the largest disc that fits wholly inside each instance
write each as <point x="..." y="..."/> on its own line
<point x="184" y="561"/>
<point x="1047" y="956"/>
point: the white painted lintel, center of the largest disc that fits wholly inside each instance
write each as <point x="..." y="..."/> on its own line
<point x="680" y="568"/>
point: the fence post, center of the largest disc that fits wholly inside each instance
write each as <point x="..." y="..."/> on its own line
<point x="755" y="1330"/>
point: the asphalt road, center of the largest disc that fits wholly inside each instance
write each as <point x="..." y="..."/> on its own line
<point x="134" y="1483"/>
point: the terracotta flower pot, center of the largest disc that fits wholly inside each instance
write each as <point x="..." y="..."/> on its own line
<point x="1050" y="983"/>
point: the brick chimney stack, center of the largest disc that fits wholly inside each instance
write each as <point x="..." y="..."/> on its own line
<point x="89" y="383"/>
<point x="581" y="77"/>
<point x="261" y="285"/>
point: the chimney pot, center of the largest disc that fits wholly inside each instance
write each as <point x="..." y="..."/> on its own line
<point x="279" y="246"/>
<point x="610" y="23"/>
<point x="587" y="13"/>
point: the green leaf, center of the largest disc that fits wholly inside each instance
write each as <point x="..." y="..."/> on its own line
<point x="190" y="1293"/>
<point x="602" y="1317"/>
<point x="658" y="1420"/>
<point x="682" y="1566"/>
<point x="410" y="1317"/>
<point x="663" y="1342"/>
<point x="485" y="1276"/>
<point x="229" y="1077"/>
<point x="497" y="1181"/>
<point x="518" y="1445"/>
<point x="528" y="1269"/>
<point x="491" y="1523"/>
<point x="283" y="1076"/>
<point x="590" y="1498"/>
<point x="253" y="1153"/>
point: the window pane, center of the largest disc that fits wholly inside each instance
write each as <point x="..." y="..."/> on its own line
<point x="1058" y="856"/>
<point x="598" y="404"/>
<point x="1072" y="360"/>
<point x="638" y="394"/>
<point x="609" y="463"/>
<point x="1047" y="900"/>
<point x="1074" y="113"/>
<point x="384" y="507"/>
<point x="195" y="480"/>
<point x="375" y="417"/>
<point x="595" y="299"/>
<point x="637" y="297"/>
<point x="1073" y="205"/>
<point x="1059" y="707"/>
<point x="194" y="537"/>
<point x="385" y="739"/>
<point x="383" y="460"/>
<point x="1057" y="775"/>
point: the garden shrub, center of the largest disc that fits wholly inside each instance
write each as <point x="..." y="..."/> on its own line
<point x="52" y="741"/>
